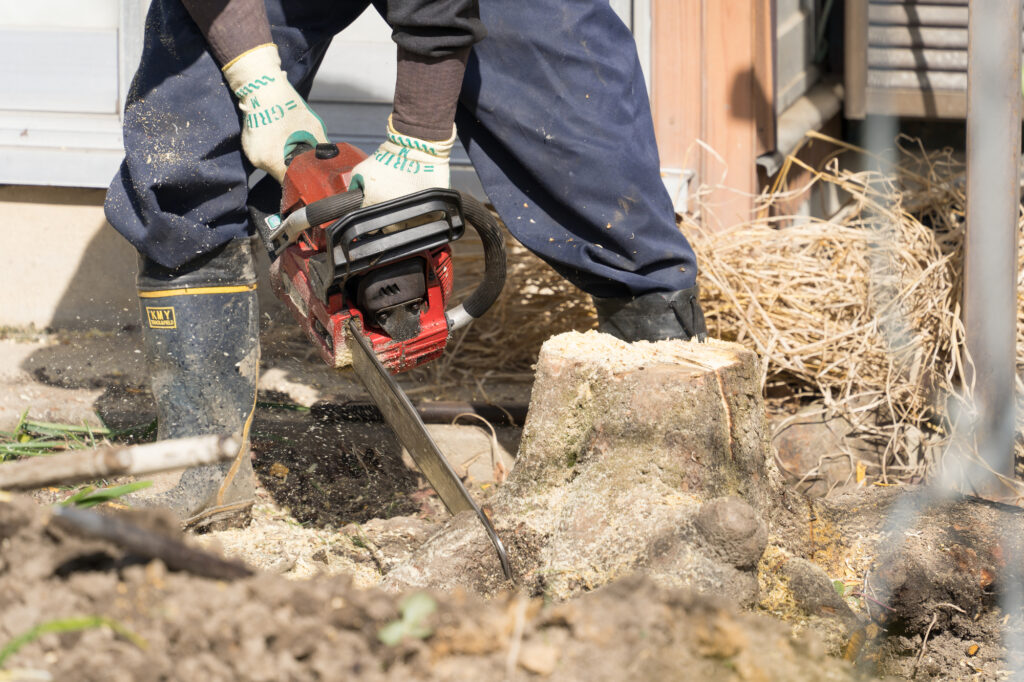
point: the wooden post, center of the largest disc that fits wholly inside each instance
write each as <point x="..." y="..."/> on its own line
<point x="993" y="198"/>
<point x="677" y="80"/>
<point x="713" y="82"/>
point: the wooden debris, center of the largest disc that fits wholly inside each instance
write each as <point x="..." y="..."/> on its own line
<point x="89" y="465"/>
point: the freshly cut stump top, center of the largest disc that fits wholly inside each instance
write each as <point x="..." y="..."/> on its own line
<point x="623" y="446"/>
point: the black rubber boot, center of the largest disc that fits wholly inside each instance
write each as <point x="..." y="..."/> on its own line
<point x="656" y="316"/>
<point x="200" y="330"/>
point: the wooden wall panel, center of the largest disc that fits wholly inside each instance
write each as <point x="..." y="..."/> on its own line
<point x="713" y="82"/>
<point x="729" y="124"/>
<point x="676" y="81"/>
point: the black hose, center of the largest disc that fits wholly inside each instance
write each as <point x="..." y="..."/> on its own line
<point x="431" y="412"/>
<point x="334" y="207"/>
<point x="484" y="296"/>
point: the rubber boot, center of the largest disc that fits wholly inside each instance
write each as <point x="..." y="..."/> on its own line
<point x="200" y="331"/>
<point x="653" y="317"/>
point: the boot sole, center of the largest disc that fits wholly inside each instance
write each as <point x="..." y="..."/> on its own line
<point x="224" y="517"/>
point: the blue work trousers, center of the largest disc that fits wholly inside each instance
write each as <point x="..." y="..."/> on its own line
<point x="553" y="113"/>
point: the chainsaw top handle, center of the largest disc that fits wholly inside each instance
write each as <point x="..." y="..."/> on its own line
<point x="333" y="207"/>
<point x="279" y="237"/>
<point x="484" y="296"/>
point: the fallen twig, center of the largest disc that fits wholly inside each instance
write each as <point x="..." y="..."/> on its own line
<point x="874" y="601"/>
<point x="924" y="645"/>
<point x="89" y="465"/>
<point x="516" y="642"/>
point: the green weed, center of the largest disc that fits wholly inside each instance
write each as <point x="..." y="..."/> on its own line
<point x="68" y="625"/>
<point x="415" y="610"/>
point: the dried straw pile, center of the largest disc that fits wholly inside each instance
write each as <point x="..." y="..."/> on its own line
<point x="862" y="310"/>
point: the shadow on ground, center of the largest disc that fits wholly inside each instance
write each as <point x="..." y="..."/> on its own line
<point x="324" y="471"/>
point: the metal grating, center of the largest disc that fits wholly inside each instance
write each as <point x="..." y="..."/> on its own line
<point x="906" y="58"/>
<point x="921" y="46"/>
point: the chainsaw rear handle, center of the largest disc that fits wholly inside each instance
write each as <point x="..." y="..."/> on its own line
<point x="484" y="296"/>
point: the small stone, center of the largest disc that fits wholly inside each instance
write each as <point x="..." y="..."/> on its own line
<point x="733" y="530"/>
<point x="539" y="658"/>
<point x="813" y="591"/>
<point x="279" y="564"/>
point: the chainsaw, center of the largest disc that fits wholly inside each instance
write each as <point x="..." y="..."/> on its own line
<point x="372" y="287"/>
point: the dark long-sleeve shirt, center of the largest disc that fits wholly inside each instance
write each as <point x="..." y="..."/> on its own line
<point x="433" y="36"/>
<point x="428" y="28"/>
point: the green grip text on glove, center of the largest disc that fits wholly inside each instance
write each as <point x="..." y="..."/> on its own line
<point x="276" y="118"/>
<point x="403" y="165"/>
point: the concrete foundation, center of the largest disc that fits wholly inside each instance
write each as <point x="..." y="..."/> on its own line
<point x="65" y="267"/>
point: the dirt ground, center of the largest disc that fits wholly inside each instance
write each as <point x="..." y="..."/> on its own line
<point x="337" y="509"/>
<point x="161" y="625"/>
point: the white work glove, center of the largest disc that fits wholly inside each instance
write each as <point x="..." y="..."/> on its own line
<point x="403" y="165"/>
<point x="276" y="118"/>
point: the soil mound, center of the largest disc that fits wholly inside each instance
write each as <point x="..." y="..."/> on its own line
<point x="139" y="621"/>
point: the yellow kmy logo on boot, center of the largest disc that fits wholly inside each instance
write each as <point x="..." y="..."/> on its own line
<point x="161" y="318"/>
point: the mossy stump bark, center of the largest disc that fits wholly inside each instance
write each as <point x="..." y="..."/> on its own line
<point x="635" y="458"/>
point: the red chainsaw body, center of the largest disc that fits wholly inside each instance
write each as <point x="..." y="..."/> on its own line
<point x="310" y="179"/>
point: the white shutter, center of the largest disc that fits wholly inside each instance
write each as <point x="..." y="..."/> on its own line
<point x="64" y="70"/>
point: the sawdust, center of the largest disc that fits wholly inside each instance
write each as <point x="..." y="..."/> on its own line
<point x="774" y="597"/>
<point x="276" y="543"/>
<point x="617" y="356"/>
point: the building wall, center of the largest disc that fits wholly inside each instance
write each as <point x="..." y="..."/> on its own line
<point x="64" y="266"/>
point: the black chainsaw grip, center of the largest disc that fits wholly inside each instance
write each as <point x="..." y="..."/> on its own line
<point x="334" y="207"/>
<point x="484" y="296"/>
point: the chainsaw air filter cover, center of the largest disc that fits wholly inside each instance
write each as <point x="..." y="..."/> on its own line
<point x="374" y="236"/>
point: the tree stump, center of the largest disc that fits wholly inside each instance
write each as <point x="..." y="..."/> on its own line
<point x="644" y="457"/>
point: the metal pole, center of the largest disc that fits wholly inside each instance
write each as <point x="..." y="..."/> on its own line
<point x="993" y="197"/>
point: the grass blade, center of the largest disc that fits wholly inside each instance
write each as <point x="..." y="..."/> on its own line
<point x="68" y="625"/>
<point x="90" y="497"/>
<point x="54" y="429"/>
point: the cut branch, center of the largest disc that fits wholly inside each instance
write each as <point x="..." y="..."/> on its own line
<point x="76" y="467"/>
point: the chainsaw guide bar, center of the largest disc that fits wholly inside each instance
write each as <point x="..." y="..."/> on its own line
<point x="412" y="433"/>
